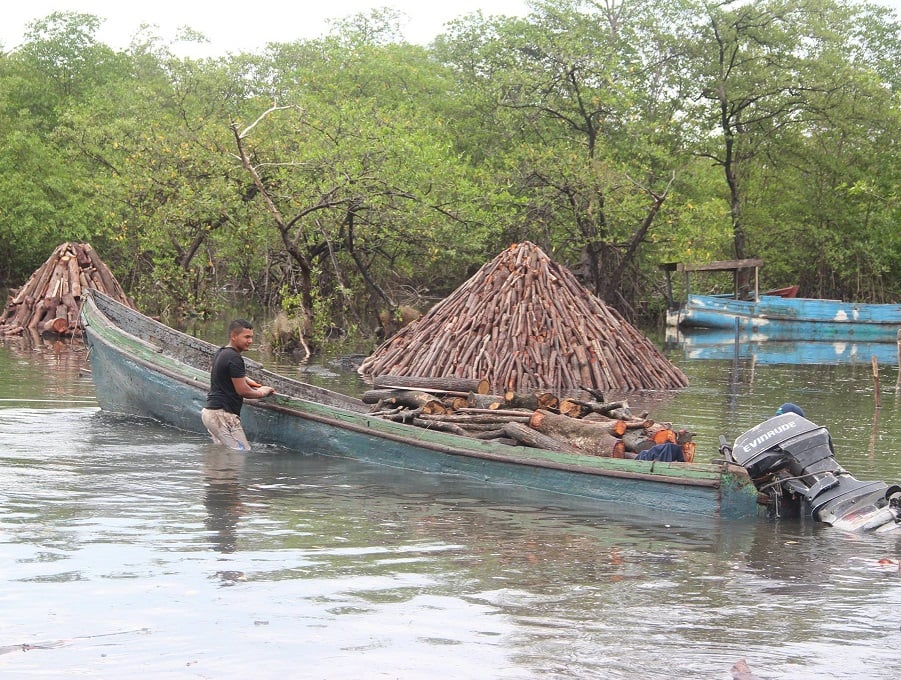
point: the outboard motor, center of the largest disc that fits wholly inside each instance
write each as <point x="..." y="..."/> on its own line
<point x="792" y="460"/>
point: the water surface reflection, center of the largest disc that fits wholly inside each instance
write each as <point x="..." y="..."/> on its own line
<point x="222" y="470"/>
<point x="128" y="548"/>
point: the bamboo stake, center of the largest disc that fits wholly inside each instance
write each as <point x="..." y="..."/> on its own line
<point x="898" y="379"/>
<point x="875" y="363"/>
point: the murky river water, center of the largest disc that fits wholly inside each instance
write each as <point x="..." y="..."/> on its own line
<point x="131" y="550"/>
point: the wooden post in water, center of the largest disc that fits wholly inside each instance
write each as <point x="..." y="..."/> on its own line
<point x="898" y="379"/>
<point x="875" y="363"/>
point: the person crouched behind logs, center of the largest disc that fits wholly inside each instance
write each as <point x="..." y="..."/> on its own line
<point x="789" y="407"/>
<point x="229" y="386"/>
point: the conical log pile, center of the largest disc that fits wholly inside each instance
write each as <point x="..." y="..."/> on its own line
<point x="523" y="322"/>
<point x="50" y="300"/>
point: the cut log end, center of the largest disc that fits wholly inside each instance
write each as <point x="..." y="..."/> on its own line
<point x="59" y="325"/>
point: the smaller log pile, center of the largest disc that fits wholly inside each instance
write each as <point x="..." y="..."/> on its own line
<point x="50" y="300"/>
<point x="538" y="419"/>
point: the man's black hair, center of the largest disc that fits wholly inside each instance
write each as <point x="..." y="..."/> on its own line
<point x="239" y="324"/>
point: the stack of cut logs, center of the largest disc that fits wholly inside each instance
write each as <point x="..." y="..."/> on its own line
<point x="50" y="300"/>
<point x="526" y="323"/>
<point x="537" y="419"/>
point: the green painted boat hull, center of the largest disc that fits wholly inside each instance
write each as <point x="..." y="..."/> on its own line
<point x="143" y="368"/>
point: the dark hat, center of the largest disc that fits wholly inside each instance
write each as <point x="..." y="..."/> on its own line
<point x="789" y="407"/>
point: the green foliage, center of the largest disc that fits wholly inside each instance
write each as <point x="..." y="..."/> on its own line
<point x="579" y="102"/>
<point x="796" y="103"/>
<point x="377" y="173"/>
<point x="361" y="177"/>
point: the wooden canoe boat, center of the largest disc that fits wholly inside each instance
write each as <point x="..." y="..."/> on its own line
<point x="782" y="315"/>
<point x="143" y="368"/>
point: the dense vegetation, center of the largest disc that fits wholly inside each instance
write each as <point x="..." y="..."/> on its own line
<point x="356" y="172"/>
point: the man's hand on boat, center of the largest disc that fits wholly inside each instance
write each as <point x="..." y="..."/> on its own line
<point x="251" y="389"/>
<point x="263" y="391"/>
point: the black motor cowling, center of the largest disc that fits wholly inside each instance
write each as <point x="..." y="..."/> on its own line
<point x="793" y="461"/>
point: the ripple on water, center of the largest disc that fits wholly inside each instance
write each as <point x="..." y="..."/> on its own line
<point x="151" y="553"/>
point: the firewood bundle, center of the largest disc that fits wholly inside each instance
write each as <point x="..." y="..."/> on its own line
<point x="525" y="323"/>
<point x="50" y="300"/>
<point x="537" y="419"/>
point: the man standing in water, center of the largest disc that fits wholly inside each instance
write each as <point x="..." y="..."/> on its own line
<point x="229" y="386"/>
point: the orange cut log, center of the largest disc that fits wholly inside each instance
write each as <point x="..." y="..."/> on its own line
<point x="533" y="400"/>
<point x="59" y="325"/>
<point x="590" y="437"/>
<point x="664" y="436"/>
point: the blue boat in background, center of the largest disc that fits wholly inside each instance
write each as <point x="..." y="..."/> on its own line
<point x="779" y="316"/>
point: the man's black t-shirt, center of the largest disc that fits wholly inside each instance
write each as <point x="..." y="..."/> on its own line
<point x="227" y="364"/>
